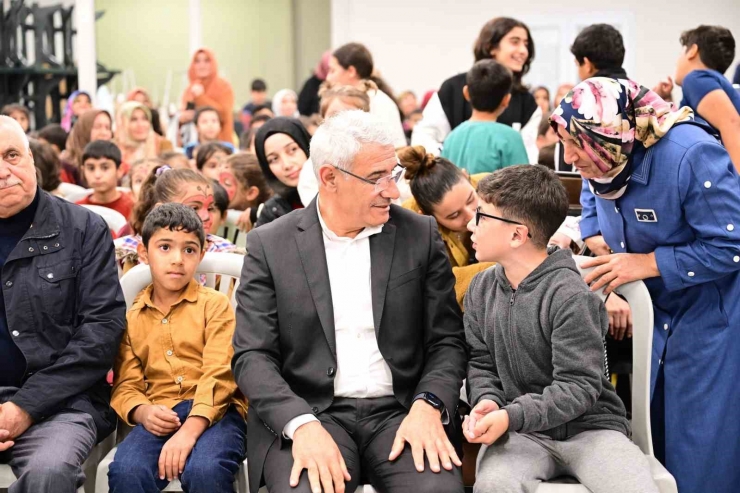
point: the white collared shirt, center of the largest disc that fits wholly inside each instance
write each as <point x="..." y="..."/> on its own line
<point x="361" y="370"/>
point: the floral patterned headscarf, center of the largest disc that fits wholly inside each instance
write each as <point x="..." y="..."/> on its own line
<point x="605" y="117"/>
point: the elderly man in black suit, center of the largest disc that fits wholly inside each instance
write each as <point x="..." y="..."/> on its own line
<point x="349" y="342"/>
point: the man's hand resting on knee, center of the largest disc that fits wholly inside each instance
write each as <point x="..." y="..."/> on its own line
<point x="14" y="421"/>
<point x="315" y="450"/>
<point x="423" y="430"/>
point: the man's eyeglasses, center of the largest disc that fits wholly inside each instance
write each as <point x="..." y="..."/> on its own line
<point x="479" y="214"/>
<point x="383" y="183"/>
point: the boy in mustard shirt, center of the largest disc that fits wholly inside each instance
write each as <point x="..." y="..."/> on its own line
<point x="173" y="379"/>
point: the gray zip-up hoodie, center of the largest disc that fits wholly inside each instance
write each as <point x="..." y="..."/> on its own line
<point x="538" y="351"/>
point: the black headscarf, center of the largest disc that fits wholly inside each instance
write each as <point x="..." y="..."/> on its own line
<point x="280" y="125"/>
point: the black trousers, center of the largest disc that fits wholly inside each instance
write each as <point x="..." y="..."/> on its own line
<point x="364" y="430"/>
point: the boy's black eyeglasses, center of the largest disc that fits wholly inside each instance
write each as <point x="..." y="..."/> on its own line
<point x="383" y="183"/>
<point x="479" y="214"/>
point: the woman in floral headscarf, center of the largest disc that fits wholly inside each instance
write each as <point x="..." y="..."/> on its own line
<point x="667" y="201"/>
<point x="135" y="136"/>
<point x="206" y="88"/>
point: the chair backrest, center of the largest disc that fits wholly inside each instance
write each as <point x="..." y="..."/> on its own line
<point x="229" y="230"/>
<point x="641" y="304"/>
<point x="114" y="219"/>
<point x="220" y="269"/>
<point x="73" y="193"/>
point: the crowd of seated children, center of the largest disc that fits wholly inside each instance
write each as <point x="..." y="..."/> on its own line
<point x="166" y="185"/>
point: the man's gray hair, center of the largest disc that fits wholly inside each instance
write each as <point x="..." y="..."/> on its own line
<point x="6" y="121"/>
<point x="338" y="140"/>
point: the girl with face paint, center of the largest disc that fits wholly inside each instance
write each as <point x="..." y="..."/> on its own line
<point x="165" y="185"/>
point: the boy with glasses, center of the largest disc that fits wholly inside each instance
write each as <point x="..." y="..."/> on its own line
<point x="543" y="407"/>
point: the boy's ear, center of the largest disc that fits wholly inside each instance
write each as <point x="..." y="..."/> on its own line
<point x="202" y="252"/>
<point x="252" y="193"/>
<point x="141" y="251"/>
<point x="466" y="93"/>
<point x="692" y="52"/>
<point x="119" y="172"/>
<point x="505" y="102"/>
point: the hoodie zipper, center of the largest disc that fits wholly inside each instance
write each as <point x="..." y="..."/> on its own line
<point x="514" y="350"/>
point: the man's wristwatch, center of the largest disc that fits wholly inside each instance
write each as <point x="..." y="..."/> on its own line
<point x="430" y="399"/>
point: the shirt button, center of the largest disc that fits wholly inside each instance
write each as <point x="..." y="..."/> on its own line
<point x="56" y="245"/>
<point x="616" y="209"/>
<point x="179" y="379"/>
<point x="730" y="227"/>
<point x="164" y="320"/>
<point x="10" y="283"/>
<point x="707" y="184"/>
<point x="331" y="371"/>
<point x="46" y="247"/>
<point x="315" y="410"/>
<point x="30" y="249"/>
<point x="660" y="361"/>
<point x="735" y="259"/>
<point x="16" y="333"/>
<point x="665" y="326"/>
<point x="169" y="353"/>
<point x="691" y="274"/>
<point x="50" y="275"/>
<point x="621" y="244"/>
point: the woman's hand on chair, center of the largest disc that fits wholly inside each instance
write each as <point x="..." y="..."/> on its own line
<point x="620" y="268"/>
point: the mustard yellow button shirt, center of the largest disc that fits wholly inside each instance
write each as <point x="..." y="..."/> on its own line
<point x="167" y="358"/>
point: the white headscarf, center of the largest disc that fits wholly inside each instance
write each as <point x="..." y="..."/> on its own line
<point x="277" y="102"/>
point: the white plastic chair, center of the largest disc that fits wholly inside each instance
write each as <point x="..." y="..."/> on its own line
<point x="72" y="192"/>
<point x="114" y="219"/>
<point x="227" y="267"/>
<point x="229" y="230"/>
<point x="90" y="467"/>
<point x="641" y="305"/>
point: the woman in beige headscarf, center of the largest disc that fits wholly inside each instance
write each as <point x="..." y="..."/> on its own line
<point x="135" y="136"/>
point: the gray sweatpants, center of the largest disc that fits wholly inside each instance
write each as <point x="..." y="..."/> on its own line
<point x="48" y="457"/>
<point x="604" y="461"/>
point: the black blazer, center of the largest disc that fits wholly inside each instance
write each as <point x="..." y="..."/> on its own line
<point x="284" y="345"/>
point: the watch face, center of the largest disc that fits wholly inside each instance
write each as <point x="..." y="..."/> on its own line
<point x="433" y="400"/>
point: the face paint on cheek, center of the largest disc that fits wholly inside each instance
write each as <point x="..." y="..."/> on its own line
<point x="203" y="213"/>
<point x="229" y="183"/>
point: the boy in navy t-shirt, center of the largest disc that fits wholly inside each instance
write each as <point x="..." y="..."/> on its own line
<point x="708" y="53"/>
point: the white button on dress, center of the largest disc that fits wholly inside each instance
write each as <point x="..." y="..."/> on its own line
<point x="730" y="227"/>
<point x="691" y="274"/>
<point x="707" y="184"/>
<point x="736" y="258"/>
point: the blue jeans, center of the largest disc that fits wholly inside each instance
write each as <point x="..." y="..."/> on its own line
<point x="210" y="468"/>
